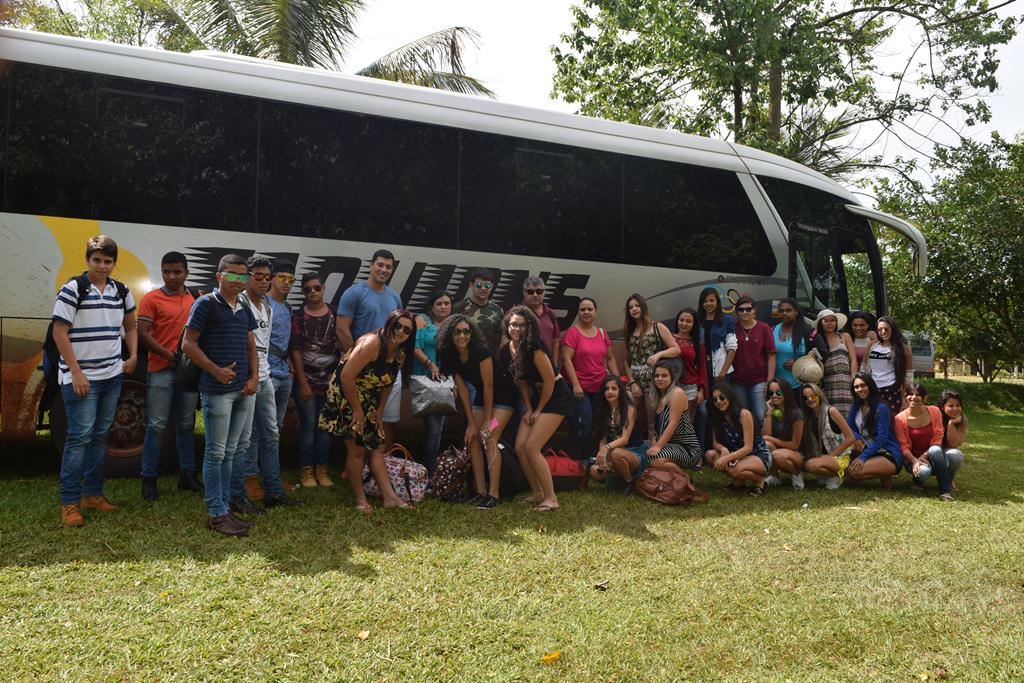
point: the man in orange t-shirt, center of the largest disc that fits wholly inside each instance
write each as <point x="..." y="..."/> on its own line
<point x="162" y="316"/>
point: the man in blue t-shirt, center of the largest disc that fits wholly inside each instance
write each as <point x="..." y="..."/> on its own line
<point x="219" y="339"/>
<point x="364" y="307"/>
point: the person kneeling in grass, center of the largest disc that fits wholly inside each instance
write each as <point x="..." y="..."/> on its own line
<point x="738" y="451"/>
<point x="783" y="431"/>
<point x="877" y="452"/>
<point x="954" y="429"/>
<point x="614" y="418"/>
<point x="827" y="438"/>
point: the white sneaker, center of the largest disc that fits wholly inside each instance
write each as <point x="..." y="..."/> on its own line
<point x="832" y="483"/>
<point x="771" y="480"/>
<point x="798" y="480"/>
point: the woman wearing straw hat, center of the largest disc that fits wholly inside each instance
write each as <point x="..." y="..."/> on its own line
<point x="837" y="354"/>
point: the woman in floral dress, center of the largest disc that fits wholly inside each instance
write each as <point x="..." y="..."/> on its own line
<point x="358" y="388"/>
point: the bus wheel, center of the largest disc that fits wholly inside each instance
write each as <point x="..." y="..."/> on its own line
<point x="124" y="441"/>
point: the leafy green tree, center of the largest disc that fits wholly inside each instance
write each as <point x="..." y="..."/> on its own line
<point x="972" y="299"/>
<point x="791" y="76"/>
<point x="313" y="33"/>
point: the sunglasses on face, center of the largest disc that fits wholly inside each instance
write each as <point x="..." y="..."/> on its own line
<point x="312" y="288"/>
<point x="745" y="309"/>
<point x="775" y="392"/>
<point x="260" y="277"/>
<point x="235" y="277"/>
<point x="462" y="332"/>
<point x="403" y="329"/>
<point x="516" y="326"/>
<point x="719" y="399"/>
<point x="534" y="291"/>
<point x="482" y="285"/>
<point x="811" y="398"/>
<point x="285" y="278"/>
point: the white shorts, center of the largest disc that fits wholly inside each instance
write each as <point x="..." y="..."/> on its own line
<point x="393" y="408"/>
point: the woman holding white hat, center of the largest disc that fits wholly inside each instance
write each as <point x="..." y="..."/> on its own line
<point x="835" y="348"/>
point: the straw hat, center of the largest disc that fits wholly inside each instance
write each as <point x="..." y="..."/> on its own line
<point x="827" y="312"/>
<point x="808" y="370"/>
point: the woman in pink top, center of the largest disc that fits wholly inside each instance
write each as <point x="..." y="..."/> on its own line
<point x="586" y="360"/>
<point x="919" y="431"/>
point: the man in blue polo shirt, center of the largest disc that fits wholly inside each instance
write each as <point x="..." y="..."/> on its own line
<point x="219" y="339"/>
<point x="87" y="329"/>
<point x="364" y="307"/>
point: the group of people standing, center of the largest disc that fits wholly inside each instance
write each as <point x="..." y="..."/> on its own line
<point x="514" y="372"/>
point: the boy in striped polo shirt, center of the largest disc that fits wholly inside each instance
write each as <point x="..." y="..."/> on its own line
<point x="90" y="373"/>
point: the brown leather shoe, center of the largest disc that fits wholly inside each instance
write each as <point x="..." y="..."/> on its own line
<point x="227" y="525"/>
<point x="322" y="477"/>
<point x="253" y="487"/>
<point x="98" y="503"/>
<point x="71" y="516"/>
<point x="287" y="486"/>
<point x="306" y="477"/>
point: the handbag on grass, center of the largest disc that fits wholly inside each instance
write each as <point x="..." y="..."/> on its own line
<point x="432" y="397"/>
<point x="668" y="487"/>
<point x="566" y="474"/>
<point x="450" y="475"/>
<point x="408" y="477"/>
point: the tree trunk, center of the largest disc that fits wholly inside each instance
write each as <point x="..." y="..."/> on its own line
<point x="737" y="108"/>
<point x="775" y="98"/>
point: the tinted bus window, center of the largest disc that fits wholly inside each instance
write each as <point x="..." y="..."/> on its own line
<point x="683" y="216"/>
<point x="347" y="176"/>
<point x="93" y="146"/>
<point x="798" y="203"/>
<point x="539" y="199"/>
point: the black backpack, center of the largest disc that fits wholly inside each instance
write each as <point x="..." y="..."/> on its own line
<point x="188" y="371"/>
<point x="51" y="355"/>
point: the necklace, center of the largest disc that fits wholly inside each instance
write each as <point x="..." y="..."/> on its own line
<point x="746" y="332"/>
<point x="783" y="335"/>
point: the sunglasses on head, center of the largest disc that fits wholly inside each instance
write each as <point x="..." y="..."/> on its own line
<point x="534" y="291"/>
<point x="312" y="288"/>
<point x="235" y="277"/>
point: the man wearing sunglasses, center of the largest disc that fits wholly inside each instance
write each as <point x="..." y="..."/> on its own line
<point x="281" y="372"/>
<point x="219" y="339"/>
<point x="533" y="298"/>
<point x="365" y="307"/>
<point x="479" y="308"/>
<point x="259" y="442"/>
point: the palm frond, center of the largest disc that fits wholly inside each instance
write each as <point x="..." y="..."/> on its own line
<point x="434" y="61"/>
<point x="307" y="32"/>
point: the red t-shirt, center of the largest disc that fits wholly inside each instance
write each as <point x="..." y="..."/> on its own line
<point x="588" y="357"/>
<point x="750" y="366"/>
<point x="168" y="313"/>
<point x="692" y="370"/>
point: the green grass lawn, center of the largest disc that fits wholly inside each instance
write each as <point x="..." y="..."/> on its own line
<point x="859" y="585"/>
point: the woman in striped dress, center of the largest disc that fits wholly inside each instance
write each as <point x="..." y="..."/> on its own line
<point x="836" y="351"/>
<point x="676" y="445"/>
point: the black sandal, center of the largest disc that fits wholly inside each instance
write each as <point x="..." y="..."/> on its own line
<point x="733" y="487"/>
<point x="756" y="491"/>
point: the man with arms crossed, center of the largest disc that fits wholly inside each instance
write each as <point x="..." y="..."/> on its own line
<point x="219" y="339"/>
<point x="163" y="313"/>
<point x="87" y="333"/>
<point x="364" y="307"/>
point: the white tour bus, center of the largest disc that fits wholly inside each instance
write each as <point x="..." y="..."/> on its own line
<point x="209" y="153"/>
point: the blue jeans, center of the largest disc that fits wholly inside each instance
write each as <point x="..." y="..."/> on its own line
<point x="85" y="448"/>
<point x="700" y="425"/>
<point x="166" y="400"/>
<point x="226" y="417"/>
<point x="282" y="392"/>
<point x="944" y="464"/>
<point x="314" y="443"/>
<point x="433" y="425"/>
<point x="753" y="399"/>
<point x="261" y="444"/>
<point x="581" y="423"/>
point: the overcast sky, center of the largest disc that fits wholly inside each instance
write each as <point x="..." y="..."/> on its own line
<point x="514" y="59"/>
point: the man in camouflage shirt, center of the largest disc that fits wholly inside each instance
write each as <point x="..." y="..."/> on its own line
<point x="479" y="308"/>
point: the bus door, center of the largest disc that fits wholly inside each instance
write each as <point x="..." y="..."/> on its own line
<point x="834" y="267"/>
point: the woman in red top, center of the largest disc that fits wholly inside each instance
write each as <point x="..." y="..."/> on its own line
<point x="693" y="379"/>
<point x="587" y="359"/>
<point x="919" y="431"/>
<point x="754" y="363"/>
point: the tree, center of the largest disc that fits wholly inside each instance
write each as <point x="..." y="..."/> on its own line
<point x="790" y="76"/>
<point x="973" y="219"/>
<point x="311" y="33"/>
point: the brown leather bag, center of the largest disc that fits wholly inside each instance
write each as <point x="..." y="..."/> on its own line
<point x="668" y="487"/>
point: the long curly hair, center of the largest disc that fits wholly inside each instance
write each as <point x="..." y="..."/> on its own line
<point x="531" y="340"/>
<point x="603" y="411"/>
<point x="694" y="334"/>
<point x="387" y="334"/>
<point x="718" y="419"/>
<point x="899" y="349"/>
<point x="873" y="400"/>
<point x="791" y="409"/>
<point x="630" y="325"/>
<point x="447" y="354"/>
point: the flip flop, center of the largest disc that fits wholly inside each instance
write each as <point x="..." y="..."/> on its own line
<point x="756" y="491"/>
<point x="544" y="508"/>
<point x="365" y="509"/>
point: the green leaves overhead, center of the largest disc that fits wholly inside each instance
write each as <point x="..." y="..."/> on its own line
<point x="790" y="76"/>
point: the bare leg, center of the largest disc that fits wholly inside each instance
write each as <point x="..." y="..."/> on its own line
<point x="750" y="468"/>
<point x="476" y="456"/>
<point x="824" y="466"/>
<point x="876" y="467"/>
<point x="355" y="456"/>
<point x="389" y="434"/>
<point x="493" y="452"/>
<point x="380" y="473"/>
<point x="537" y="494"/>
<point x="787" y="460"/>
<point x="625" y="462"/>
<point x="542" y="430"/>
